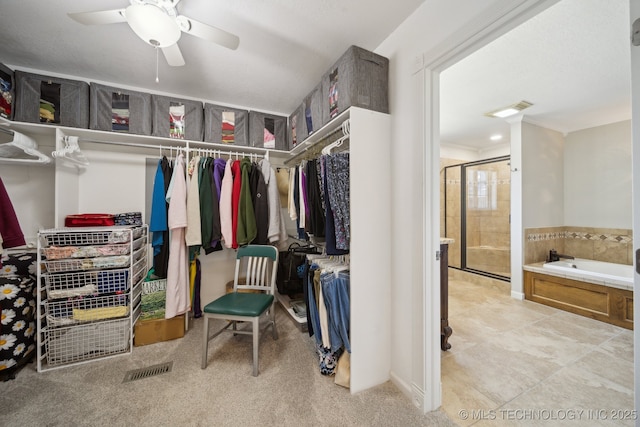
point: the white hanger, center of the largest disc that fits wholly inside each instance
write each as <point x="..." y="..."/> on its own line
<point x="22" y="145"/>
<point x="346" y="131"/>
<point x="71" y="152"/>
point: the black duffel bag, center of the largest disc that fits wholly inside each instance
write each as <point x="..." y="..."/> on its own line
<point x="289" y="278"/>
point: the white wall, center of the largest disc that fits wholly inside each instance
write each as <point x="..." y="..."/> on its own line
<point x="31" y="190"/>
<point x="597" y="177"/>
<point x="543" y="176"/>
<point x="426" y="29"/>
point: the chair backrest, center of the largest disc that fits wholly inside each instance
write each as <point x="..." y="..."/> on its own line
<point x="261" y="263"/>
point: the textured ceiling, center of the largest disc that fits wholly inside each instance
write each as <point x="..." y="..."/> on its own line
<point x="285" y="46"/>
<point x="572" y="62"/>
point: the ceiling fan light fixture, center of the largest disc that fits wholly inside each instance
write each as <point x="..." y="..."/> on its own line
<point x="153" y="25"/>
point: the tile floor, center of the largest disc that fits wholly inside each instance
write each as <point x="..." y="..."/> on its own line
<point x="521" y="363"/>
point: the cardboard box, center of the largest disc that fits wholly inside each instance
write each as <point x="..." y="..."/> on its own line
<point x="158" y="330"/>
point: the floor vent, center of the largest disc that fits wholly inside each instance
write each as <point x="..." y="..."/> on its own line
<point x="150" y="371"/>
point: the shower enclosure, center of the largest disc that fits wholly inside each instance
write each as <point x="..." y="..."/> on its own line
<point x="477" y="215"/>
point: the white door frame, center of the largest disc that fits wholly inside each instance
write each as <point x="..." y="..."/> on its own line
<point x="634" y="8"/>
<point x="494" y="22"/>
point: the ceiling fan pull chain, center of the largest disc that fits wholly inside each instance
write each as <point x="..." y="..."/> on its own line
<point x="157" y="79"/>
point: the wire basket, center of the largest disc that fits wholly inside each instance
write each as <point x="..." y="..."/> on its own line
<point x="82" y="264"/>
<point x="86" y="309"/>
<point x="89" y="341"/>
<point x="76" y="284"/>
<point x="91" y="236"/>
<point x="61" y="252"/>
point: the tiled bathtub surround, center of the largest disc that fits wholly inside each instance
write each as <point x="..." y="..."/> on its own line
<point x="600" y="244"/>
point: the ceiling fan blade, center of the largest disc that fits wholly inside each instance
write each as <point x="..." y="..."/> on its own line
<point x="100" y="17"/>
<point x="173" y="55"/>
<point x="207" y="32"/>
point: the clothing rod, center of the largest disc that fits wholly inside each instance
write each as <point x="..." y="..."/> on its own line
<point x="222" y="150"/>
<point x="314" y="150"/>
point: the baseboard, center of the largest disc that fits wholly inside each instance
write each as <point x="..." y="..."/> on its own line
<point x="401" y="384"/>
<point x="517" y="295"/>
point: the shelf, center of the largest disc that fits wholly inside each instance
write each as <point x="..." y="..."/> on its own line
<point x="105" y="137"/>
<point x="300" y="322"/>
<point x="321" y="134"/>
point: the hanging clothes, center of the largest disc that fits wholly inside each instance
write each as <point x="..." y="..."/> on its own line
<point x="260" y="201"/>
<point x="193" y="236"/>
<point x="316" y="223"/>
<point x="226" y="210"/>
<point x="247" y="229"/>
<point x="177" y="294"/>
<point x="330" y="234"/>
<point x="158" y="222"/>
<point x="235" y="201"/>
<point x="276" y="232"/>
<point x="214" y="243"/>
<point x="10" y="230"/>
<point x="337" y="174"/>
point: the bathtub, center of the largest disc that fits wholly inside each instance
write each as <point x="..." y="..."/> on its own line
<point x="586" y="269"/>
<point x="595" y="289"/>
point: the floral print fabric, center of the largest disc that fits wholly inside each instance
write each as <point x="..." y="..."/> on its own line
<point x="17" y="320"/>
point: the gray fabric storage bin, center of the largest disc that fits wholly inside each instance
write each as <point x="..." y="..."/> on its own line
<point x="297" y="131"/>
<point x="314" y="114"/>
<point x="7" y="92"/>
<point x="106" y="112"/>
<point x="360" y="78"/>
<point x="276" y="125"/>
<point x="234" y="121"/>
<point x="162" y="117"/>
<point x="51" y="100"/>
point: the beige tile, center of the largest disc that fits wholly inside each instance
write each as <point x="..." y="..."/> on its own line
<point x="620" y="346"/>
<point x="574" y="388"/>
<point x="611" y="368"/>
<point x="579" y="328"/>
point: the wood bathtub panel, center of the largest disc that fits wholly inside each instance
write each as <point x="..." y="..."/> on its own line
<point x="611" y="305"/>
<point x="595" y="300"/>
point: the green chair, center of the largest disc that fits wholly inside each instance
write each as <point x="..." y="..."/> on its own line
<point x="252" y="297"/>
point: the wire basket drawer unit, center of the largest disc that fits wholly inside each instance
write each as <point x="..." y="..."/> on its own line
<point x="87" y="278"/>
<point x="78" y="343"/>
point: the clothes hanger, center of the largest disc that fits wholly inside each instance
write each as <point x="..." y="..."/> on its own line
<point x="71" y="152"/>
<point x="20" y="146"/>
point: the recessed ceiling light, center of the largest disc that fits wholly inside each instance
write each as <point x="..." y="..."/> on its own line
<point x="495" y="137"/>
<point x="510" y="110"/>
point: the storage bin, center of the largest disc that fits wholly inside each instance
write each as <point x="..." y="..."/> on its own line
<point x="226" y="125"/>
<point x="7" y="92"/>
<point x="120" y="110"/>
<point x="297" y="130"/>
<point x="358" y="79"/>
<point x="314" y="114"/>
<point x="267" y="130"/>
<point x="51" y="100"/>
<point x="177" y="118"/>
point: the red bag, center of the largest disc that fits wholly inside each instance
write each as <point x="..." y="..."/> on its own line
<point x="89" y="220"/>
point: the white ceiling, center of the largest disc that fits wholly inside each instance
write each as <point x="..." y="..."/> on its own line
<point x="572" y="62"/>
<point x="285" y="46"/>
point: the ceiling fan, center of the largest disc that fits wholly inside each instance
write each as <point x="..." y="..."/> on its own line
<point x="158" y="23"/>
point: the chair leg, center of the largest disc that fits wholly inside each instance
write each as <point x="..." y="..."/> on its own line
<point x="256" y="343"/>
<point x="205" y="344"/>
<point x="274" y="330"/>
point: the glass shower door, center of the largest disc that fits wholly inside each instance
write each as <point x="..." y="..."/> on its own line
<point x="487" y="217"/>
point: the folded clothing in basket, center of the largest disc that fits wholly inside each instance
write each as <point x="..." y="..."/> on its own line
<point x="128" y="218"/>
<point x="60" y="252"/>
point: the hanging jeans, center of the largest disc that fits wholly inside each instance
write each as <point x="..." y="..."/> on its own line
<point x="312" y="308"/>
<point x="335" y="289"/>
